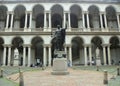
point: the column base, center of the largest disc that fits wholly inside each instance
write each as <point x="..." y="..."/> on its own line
<point x="44" y="29"/>
<point x="103" y="30"/>
<point x="88" y="29"/>
<point x="27" y="30"/>
<point x="8" y="30"/>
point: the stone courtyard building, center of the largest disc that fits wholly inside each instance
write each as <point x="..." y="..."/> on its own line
<point x="28" y="25"/>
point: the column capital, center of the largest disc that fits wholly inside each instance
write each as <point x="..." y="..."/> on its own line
<point x="47" y="11"/>
<point x="7" y="45"/>
<point x="27" y="45"/>
<point x="4" y="45"/>
<point x="85" y="12"/>
<point x="104" y="45"/>
<point x="28" y="12"/>
<point x="24" y="45"/>
<point x="45" y="45"/>
<point x="117" y="13"/>
<point x="68" y="45"/>
<point x="10" y="12"/>
<point x="102" y="12"/>
<point x="49" y="45"/>
<point x="66" y="11"/>
<point x="87" y="45"/>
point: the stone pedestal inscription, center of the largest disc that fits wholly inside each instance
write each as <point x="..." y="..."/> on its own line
<point x="16" y="62"/>
<point x="60" y="64"/>
<point x="98" y="62"/>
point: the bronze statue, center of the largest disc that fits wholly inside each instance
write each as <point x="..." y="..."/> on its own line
<point x="59" y="38"/>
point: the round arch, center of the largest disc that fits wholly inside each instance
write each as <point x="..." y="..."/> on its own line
<point x="77" y="51"/>
<point x="111" y="17"/>
<point x="111" y="6"/>
<point x="96" y="44"/>
<point x="1" y="50"/>
<point x="94" y="17"/>
<point x="19" y="5"/>
<point x="56" y="5"/>
<point x="37" y="51"/>
<point x="95" y="6"/>
<point x="17" y="43"/>
<point x="19" y="19"/>
<point x="77" y="6"/>
<point x="57" y="15"/>
<point x="95" y="37"/>
<point x="114" y="50"/>
<point x="38" y="16"/>
<point x="38" y="5"/>
<point x="3" y="16"/>
<point x="76" y="16"/>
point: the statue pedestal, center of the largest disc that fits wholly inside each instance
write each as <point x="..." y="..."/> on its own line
<point x="60" y="64"/>
<point x="16" y="62"/>
<point x="98" y="61"/>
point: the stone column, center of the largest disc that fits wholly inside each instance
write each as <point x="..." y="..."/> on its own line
<point x="85" y="54"/>
<point x="69" y="21"/>
<point x="109" y="56"/>
<point x="105" y="20"/>
<point x="65" y="48"/>
<point x="24" y="55"/>
<point x="9" y="55"/>
<point x="4" y="55"/>
<point x="49" y="49"/>
<point x="88" y="22"/>
<point x="70" y="55"/>
<point x="49" y="19"/>
<point x="45" y="21"/>
<point x="90" y="54"/>
<point x="29" y="55"/>
<point x="101" y="20"/>
<point x="26" y="18"/>
<point x="11" y="25"/>
<point x="30" y="23"/>
<point x="44" y="56"/>
<point x="83" y="19"/>
<point x="104" y="54"/>
<point x="118" y="21"/>
<point x="7" y="21"/>
<point x="64" y="19"/>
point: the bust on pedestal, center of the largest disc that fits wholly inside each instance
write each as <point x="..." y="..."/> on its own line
<point x="16" y="57"/>
<point x="60" y="60"/>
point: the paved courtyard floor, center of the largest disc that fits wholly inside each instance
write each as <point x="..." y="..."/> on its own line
<point x="75" y="78"/>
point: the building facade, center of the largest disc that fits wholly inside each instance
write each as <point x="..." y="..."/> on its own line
<point x="28" y="25"/>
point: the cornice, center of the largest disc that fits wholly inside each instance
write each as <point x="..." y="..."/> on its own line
<point x="49" y="33"/>
<point x="61" y="1"/>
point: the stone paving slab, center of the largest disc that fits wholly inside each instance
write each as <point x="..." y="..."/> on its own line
<point x="5" y="82"/>
<point x="75" y="78"/>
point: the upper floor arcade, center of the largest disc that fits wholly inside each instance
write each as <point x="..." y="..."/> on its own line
<point x="46" y="16"/>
